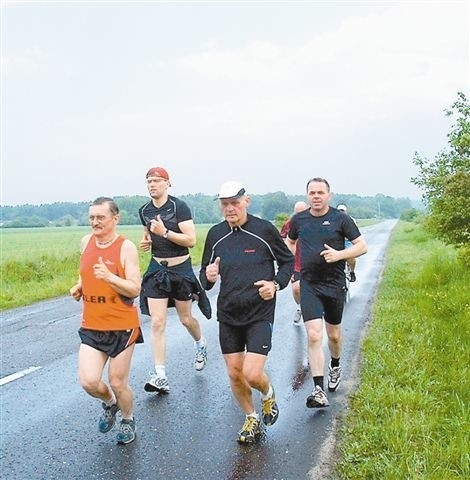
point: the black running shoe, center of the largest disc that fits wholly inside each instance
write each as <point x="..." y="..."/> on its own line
<point x="270" y="410"/>
<point x="250" y="431"/>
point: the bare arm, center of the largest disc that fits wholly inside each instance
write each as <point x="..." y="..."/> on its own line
<point x="187" y="237"/>
<point x="291" y="244"/>
<point x="146" y="241"/>
<point x="76" y="290"/>
<point x="358" y="248"/>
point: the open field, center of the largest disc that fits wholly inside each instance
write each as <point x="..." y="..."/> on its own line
<point x="41" y="263"/>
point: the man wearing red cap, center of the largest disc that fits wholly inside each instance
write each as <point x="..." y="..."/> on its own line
<point x="170" y="281"/>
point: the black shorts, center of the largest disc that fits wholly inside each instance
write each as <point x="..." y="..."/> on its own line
<point x="176" y="283"/>
<point x="110" y="342"/>
<point x="318" y="300"/>
<point x="254" y="338"/>
<point x="295" y="277"/>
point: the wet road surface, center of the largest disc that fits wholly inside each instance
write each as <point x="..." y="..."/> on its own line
<point x="49" y="424"/>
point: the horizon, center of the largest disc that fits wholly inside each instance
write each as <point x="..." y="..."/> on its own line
<point x="335" y="194"/>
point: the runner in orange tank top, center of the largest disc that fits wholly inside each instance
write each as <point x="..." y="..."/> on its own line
<point x="109" y="282"/>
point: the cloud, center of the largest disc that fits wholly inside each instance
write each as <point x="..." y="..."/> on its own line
<point x="407" y="51"/>
<point x="24" y="61"/>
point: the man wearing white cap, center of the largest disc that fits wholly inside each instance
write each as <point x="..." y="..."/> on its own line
<point x="243" y="250"/>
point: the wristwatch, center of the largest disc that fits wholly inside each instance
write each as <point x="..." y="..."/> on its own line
<point x="276" y="285"/>
<point x="165" y="235"/>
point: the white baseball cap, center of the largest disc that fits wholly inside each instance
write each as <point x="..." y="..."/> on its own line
<point x="231" y="189"/>
<point x="342" y="207"/>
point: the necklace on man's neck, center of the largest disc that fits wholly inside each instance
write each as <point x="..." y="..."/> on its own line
<point x="109" y="241"/>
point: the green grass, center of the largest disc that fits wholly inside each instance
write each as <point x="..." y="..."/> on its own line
<point x="409" y="419"/>
<point x="41" y="263"/>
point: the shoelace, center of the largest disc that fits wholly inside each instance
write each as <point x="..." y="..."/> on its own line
<point x="335" y="373"/>
<point x="108" y="413"/>
<point x="201" y="355"/>
<point x="268" y="406"/>
<point x="319" y="394"/>
<point x="126" y="428"/>
<point x="250" y="425"/>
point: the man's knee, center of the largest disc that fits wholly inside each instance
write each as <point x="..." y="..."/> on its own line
<point x="188" y="320"/>
<point x="117" y="384"/>
<point x="314" y="331"/>
<point x="90" y="385"/>
<point x="334" y="334"/>
<point x="158" y="323"/>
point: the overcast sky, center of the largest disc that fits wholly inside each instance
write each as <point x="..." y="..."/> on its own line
<point x="268" y="93"/>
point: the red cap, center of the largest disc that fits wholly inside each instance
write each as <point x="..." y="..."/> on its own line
<point x="158" y="172"/>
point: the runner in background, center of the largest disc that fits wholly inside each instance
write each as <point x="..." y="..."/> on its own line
<point x="350" y="261"/>
<point x="295" y="279"/>
<point x="169" y="281"/>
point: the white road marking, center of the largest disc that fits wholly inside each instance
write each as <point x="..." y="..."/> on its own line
<point x="17" y="375"/>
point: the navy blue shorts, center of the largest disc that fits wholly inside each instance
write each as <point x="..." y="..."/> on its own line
<point x="254" y="337"/>
<point x="318" y="300"/>
<point x="110" y="342"/>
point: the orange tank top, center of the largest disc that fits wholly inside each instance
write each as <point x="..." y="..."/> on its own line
<point x="103" y="307"/>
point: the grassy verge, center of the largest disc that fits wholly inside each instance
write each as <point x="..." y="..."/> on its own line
<point x="409" y="418"/>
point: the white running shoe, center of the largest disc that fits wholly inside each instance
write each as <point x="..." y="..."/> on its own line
<point x="317" y="399"/>
<point x="334" y="377"/>
<point x="200" y="360"/>
<point x="157" y="384"/>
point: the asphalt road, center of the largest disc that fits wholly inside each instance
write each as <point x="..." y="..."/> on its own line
<point x="49" y="424"/>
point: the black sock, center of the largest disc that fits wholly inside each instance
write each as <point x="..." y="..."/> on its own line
<point x="318" y="381"/>
<point x="334" y="362"/>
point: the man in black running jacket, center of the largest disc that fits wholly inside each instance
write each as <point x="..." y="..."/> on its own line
<point x="243" y="250"/>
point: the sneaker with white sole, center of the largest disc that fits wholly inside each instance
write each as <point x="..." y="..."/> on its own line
<point x="157" y="384"/>
<point x="200" y="359"/>
<point x="297" y="317"/>
<point x="334" y="377"/>
<point x="126" y="432"/>
<point x="317" y="399"/>
<point x="108" y="417"/>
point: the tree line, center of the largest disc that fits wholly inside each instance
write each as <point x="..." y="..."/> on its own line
<point x="205" y="210"/>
